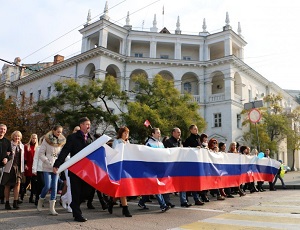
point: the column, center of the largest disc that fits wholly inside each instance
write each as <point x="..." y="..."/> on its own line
<point x="84" y="43"/>
<point x="177" y="50"/>
<point x="227" y="47"/>
<point x="103" y="34"/>
<point x="297" y="160"/>
<point x="153" y="49"/>
<point x="241" y="53"/>
<point x="204" y="54"/>
<point x="229" y="86"/>
<point x="100" y="74"/>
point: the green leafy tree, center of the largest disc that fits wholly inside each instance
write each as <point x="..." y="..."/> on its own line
<point x="272" y="128"/>
<point x="293" y="137"/>
<point x="163" y="105"/>
<point x="20" y="114"/>
<point x="74" y="101"/>
<point x="275" y="119"/>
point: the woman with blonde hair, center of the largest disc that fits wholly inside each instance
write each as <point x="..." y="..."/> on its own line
<point x="12" y="171"/>
<point x="232" y="148"/>
<point x="48" y="153"/>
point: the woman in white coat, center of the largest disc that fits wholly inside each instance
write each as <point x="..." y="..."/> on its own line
<point x="48" y="153"/>
<point x="12" y="171"/>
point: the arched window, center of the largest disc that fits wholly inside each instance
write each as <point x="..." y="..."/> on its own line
<point x="137" y="87"/>
<point x="187" y="87"/>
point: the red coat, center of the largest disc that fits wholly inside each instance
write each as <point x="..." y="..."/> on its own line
<point x="28" y="157"/>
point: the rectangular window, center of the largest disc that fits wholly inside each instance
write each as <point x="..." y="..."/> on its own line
<point x="217" y="120"/>
<point x="30" y="98"/>
<point x="138" y="55"/>
<point x="22" y="97"/>
<point x="39" y="95"/>
<point x="250" y="95"/>
<point x="48" y="92"/>
<point x="163" y="56"/>
<point x="186" y="58"/>
<point x="238" y="121"/>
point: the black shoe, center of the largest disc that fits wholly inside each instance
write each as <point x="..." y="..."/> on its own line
<point x="80" y="219"/>
<point x="166" y="208"/>
<point x="110" y="206"/>
<point x="199" y="202"/>
<point x="7" y="206"/>
<point x="252" y="191"/>
<point x="230" y="196"/>
<point x="16" y="204"/>
<point x="19" y="201"/>
<point x="104" y="205"/>
<point x="272" y="189"/>
<point x="126" y="212"/>
<point x="187" y="205"/>
<point x="90" y="205"/>
<point x="143" y="206"/>
<point x="170" y="205"/>
<point x="205" y="198"/>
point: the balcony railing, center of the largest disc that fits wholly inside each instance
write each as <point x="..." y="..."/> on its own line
<point x="216" y="97"/>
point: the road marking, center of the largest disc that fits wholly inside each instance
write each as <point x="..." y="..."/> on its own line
<point x="283" y="214"/>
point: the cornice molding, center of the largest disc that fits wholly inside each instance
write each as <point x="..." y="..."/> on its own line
<point x="71" y="62"/>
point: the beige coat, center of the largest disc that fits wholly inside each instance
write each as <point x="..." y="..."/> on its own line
<point x="49" y="150"/>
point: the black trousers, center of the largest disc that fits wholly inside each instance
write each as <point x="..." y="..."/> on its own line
<point x="80" y="190"/>
<point x="39" y="184"/>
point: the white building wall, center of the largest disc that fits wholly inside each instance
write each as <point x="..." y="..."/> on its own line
<point x="222" y="45"/>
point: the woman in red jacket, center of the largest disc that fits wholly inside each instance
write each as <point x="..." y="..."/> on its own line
<point x="30" y="148"/>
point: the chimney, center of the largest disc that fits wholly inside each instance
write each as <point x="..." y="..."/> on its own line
<point x="58" y="58"/>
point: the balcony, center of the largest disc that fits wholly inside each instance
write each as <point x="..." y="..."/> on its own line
<point x="216" y="97"/>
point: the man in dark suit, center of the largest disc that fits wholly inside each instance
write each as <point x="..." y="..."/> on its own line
<point x="5" y="150"/>
<point x="75" y="143"/>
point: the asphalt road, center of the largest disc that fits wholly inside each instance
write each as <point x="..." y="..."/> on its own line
<point x="271" y="209"/>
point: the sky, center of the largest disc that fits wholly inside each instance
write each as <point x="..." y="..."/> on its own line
<point x="37" y="30"/>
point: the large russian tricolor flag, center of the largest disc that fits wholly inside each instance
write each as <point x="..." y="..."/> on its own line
<point x="131" y="169"/>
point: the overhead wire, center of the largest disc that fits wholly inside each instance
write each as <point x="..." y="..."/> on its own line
<point x="66" y="34"/>
<point x="109" y="24"/>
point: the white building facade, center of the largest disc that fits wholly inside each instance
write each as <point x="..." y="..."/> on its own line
<point x="208" y="66"/>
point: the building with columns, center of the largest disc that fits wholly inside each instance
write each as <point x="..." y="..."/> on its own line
<point x="208" y="66"/>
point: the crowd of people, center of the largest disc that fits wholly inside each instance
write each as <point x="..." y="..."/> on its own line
<point x="36" y="163"/>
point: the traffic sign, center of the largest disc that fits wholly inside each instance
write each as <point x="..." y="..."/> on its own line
<point x="254" y="115"/>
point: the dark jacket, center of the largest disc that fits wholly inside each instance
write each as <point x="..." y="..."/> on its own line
<point x="5" y="147"/>
<point x="75" y="142"/>
<point x="172" y="142"/>
<point x="192" y="141"/>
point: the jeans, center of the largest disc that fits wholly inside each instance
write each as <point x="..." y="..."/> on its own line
<point x="159" y="197"/>
<point x="182" y="196"/>
<point x="161" y="201"/>
<point x="50" y="180"/>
